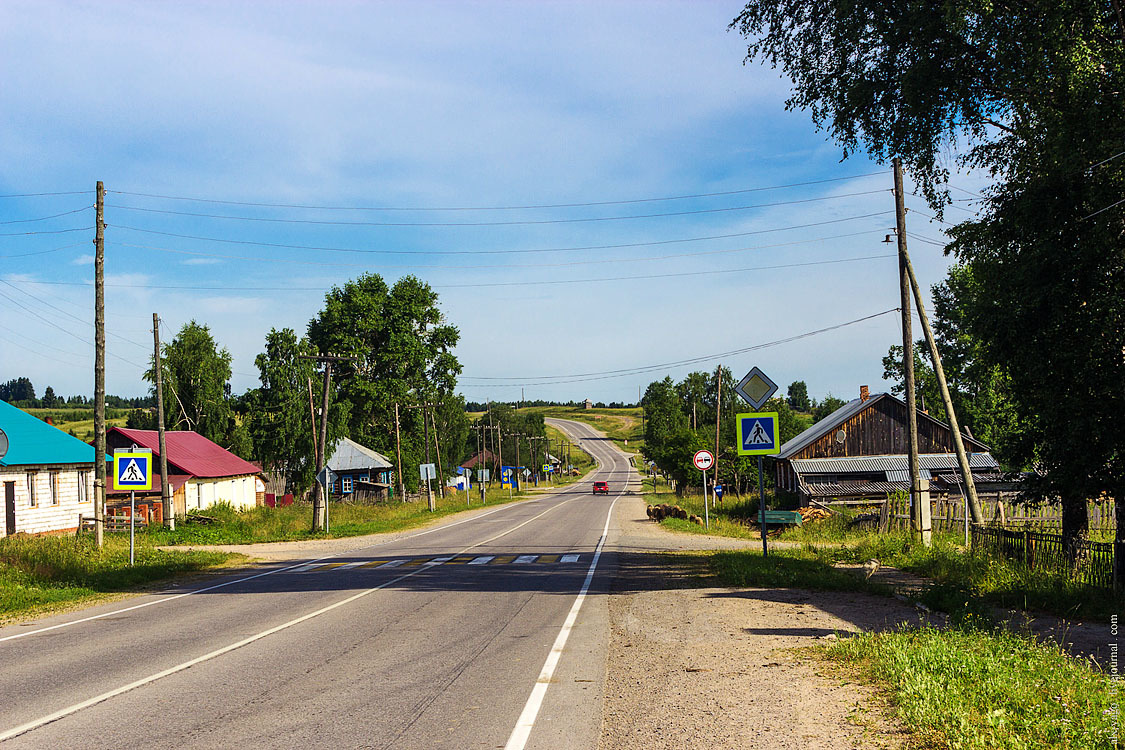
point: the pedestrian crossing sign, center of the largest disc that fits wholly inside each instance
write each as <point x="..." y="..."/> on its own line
<point x="132" y="470"/>
<point x="758" y="434"/>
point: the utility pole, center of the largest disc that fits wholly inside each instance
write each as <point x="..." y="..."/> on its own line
<point x="718" y="419"/>
<point x="312" y="420"/>
<point x="99" y="366"/>
<point x="426" y="440"/>
<point x="437" y="450"/>
<point x="920" y="515"/>
<point x="165" y="488"/>
<point x="939" y="371"/>
<point x="320" y="494"/>
<point x="398" y="452"/>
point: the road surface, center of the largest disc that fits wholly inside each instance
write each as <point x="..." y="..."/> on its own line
<point x="471" y="634"/>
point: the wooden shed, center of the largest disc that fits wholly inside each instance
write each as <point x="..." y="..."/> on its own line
<point x="870" y="426"/>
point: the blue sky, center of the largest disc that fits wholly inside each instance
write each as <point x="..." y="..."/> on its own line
<point x="436" y="106"/>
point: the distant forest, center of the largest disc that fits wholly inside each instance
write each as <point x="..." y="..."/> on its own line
<point x="20" y="392"/>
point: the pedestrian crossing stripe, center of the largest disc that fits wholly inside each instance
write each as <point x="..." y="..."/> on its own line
<point x="417" y="562"/>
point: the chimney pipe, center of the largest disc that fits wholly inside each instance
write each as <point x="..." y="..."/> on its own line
<point x="864" y="393"/>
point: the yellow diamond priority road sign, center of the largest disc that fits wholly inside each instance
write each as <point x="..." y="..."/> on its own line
<point x="755" y="388"/>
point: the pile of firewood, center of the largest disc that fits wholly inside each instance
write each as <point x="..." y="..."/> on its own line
<point x="660" y="512"/>
<point x="813" y="514"/>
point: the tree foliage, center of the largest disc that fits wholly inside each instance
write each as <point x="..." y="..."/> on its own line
<point x="798" y="396"/>
<point x="1031" y="93"/>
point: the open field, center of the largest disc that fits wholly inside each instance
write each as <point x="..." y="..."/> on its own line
<point x="80" y="422"/>
<point x="622" y="426"/>
<point x="40" y="574"/>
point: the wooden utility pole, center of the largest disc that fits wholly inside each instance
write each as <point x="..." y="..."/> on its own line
<point x="312" y="419"/>
<point x="437" y="451"/>
<point x="99" y="366"/>
<point x="398" y="452"/>
<point x="165" y="488"/>
<point x="919" y="515"/>
<point x="320" y="494"/>
<point x="718" y="419"/>
<point x="939" y="371"/>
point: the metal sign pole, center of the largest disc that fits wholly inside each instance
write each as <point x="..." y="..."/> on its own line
<point x="132" y="525"/>
<point x="706" y="514"/>
<point x="762" y="506"/>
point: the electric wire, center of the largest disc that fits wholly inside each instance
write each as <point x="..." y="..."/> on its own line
<point x="64" y="330"/>
<point x="524" y="222"/>
<point x="46" y="231"/>
<point x="45" y="218"/>
<point x="599" y="261"/>
<point x="501" y="252"/>
<point x="609" y="374"/>
<point x="44" y="252"/>
<point x="84" y="321"/>
<point x="39" y="195"/>
<point x="495" y="208"/>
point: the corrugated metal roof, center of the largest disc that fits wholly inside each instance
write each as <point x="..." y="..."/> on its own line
<point x="833" y="489"/>
<point x="823" y="427"/>
<point x="33" y="442"/>
<point x="351" y="456"/>
<point x="192" y="452"/>
<point x="889" y="463"/>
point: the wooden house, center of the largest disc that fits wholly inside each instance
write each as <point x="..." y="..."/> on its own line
<point x="359" y="468"/>
<point x="859" y="454"/>
<point x="46" y="475"/>
<point x="200" y="472"/>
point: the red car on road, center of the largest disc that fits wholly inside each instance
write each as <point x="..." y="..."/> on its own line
<point x="601" y="488"/>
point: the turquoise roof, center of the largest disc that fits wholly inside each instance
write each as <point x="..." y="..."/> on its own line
<point x="31" y="441"/>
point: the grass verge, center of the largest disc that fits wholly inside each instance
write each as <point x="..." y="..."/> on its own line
<point x="294" y="523"/>
<point x="41" y="574"/>
<point x="971" y="688"/>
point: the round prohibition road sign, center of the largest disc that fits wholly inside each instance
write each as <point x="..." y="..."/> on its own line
<point x="703" y="460"/>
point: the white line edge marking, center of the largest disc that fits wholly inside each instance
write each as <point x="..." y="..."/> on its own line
<point x="291" y="568"/>
<point x="63" y="712"/>
<point x="526" y="722"/>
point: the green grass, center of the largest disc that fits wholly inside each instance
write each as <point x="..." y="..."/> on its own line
<point x="731" y="519"/>
<point x="622" y="426"/>
<point x="38" y="574"/>
<point x="294" y="523"/>
<point x="579" y="458"/>
<point x="786" y="568"/>
<point x="970" y="688"/>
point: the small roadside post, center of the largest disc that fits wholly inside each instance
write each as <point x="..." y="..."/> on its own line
<point x="428" y="472"/>
<point x="703" y="461"/>
<point x="482" y="481"/>
<point x="132" y="470"/>
<point x="758" y="433"/>
<point x="325" y="478"/>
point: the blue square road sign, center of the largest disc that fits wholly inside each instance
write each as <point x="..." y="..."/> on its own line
<point x="758" y="434"/>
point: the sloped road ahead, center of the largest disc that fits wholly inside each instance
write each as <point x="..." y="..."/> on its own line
<point x="472" y="634"/>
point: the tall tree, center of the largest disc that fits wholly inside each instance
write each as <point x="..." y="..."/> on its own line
<point x="402" y="350"/>
<point x="798" y="396"/>
<point x="196" y="374"/>
<point x="1033" y="94"/>
<point x="279" y="417"/>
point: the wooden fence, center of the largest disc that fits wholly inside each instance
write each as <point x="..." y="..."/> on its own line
<point x="1043" y="551"/>
<point x="948" y="514"/>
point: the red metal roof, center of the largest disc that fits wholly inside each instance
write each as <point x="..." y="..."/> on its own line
<point x="175" y="481"/>
<point x="190" y="452"/>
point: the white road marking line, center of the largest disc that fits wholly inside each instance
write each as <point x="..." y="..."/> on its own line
<point x="303" y="568"/>
<point x="288" y="568"/>
<point x="571" y="558"/>
<point x="355" y="564"/>
<point x="482" y="560"/>
<point x="522" y="731"/>
<point x="391" y="564"/>
<point x="439" y="560"/>
<point x="523" y="559"/>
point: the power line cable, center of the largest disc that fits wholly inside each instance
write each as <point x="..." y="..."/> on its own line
<point x="46" y="231"/>
<point x="525" y="222"/>
<point x="188" y="287"/>
<point x="84" y="321"/>
<point x="609" y="374"/>
<point x="600" y="261"/>
<point x="44" y="252"/>
<point x="60" y="328"/>
<point x="39" y="195"/>
<point x="1103" y="210"/>
<point x="500" y="252"/>
<point x="495" y="208"/>
<point x="45" y="218"/>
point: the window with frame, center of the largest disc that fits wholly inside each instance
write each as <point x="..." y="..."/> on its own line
<point x="32" y="501"/>
<point x="83" y="492"/>
<point x="53" y="483"/>
<point x="346" y="485"/>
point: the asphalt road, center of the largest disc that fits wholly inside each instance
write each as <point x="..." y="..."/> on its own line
<point x="472" y="634"/>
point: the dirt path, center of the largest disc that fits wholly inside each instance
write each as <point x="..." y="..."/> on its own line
<point x="692" y="665"/>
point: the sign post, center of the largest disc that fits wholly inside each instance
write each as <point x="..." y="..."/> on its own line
<point x="132" y="470"/>
<point x="758" y="432"/>
<point x="703" y="461"/>
<point x="428" y="472"/>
